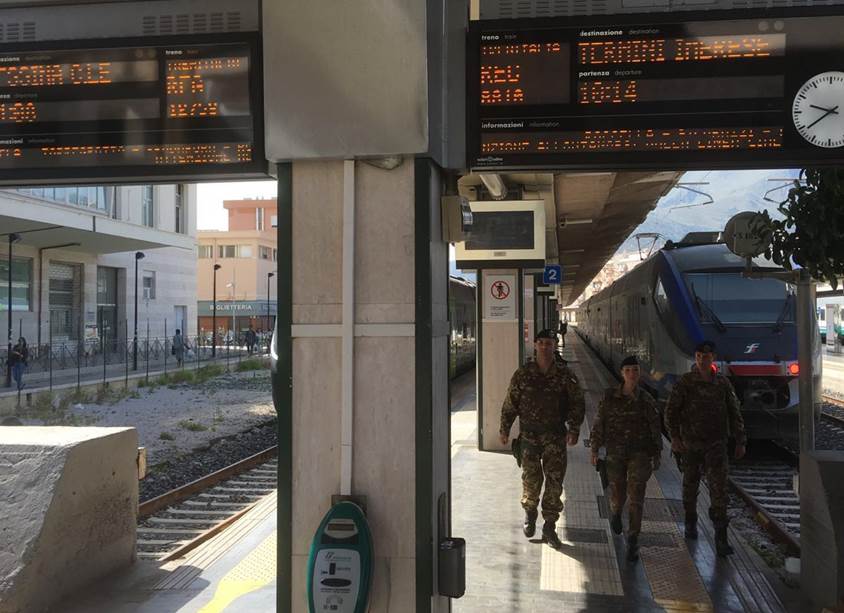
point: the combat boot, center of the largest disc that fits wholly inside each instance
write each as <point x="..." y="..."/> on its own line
<point x="691" y="526"/>
<point x="529" y="527"/>
<point x="549" y="535"/>
<point x="722" y="546"/>
<point x="615" y="523"/>
<point x="632" y="548"/>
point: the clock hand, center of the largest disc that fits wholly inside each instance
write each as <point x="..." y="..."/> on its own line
<point x="820" y="108"/>
<point x="824" y="116"/>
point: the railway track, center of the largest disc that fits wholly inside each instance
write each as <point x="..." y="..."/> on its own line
<point x="172" y="524"/>
<point x="767" y="483"/>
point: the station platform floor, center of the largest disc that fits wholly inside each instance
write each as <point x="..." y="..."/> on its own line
<point x="235" y="571"/>
<point x="507" y="572"/>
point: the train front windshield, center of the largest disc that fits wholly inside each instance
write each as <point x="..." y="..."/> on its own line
<point x="730" y="298"/>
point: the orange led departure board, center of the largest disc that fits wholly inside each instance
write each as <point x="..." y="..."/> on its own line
<point x="679" y="90"/>
<point x="159" y="108"/>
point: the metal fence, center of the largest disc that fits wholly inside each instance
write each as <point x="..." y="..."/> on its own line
<point x="100" y="357"/>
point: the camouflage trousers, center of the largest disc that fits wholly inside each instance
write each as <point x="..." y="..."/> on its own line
<point x="543" y="458"/>
<point x="628" y="476"/>
<point x="712" y="462"/>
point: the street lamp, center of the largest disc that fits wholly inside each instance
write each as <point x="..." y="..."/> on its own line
<point x="214" y="314"/>
<point x="139" y="255"/>
<point x="270" y="275"/>
<point x="13" y="238"/>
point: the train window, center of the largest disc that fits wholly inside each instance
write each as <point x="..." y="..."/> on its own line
<point x="734" y="298"/>
<point x="661" y="298"/>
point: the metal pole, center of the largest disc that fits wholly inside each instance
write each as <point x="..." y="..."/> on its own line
<point x="165" y="346"/>
<point x="105" y="354"/>
<point x="805" y="336"/>
<point x="50" y="352"/>
<point x="267" y="327"/>
<point x="228" y="354"/>
<point x="9" y="309"/>
<point x="214" y="317"/>
<point x="126" y="354"/>
<point x="147" y="350"/>
<point x="135" y="341"/>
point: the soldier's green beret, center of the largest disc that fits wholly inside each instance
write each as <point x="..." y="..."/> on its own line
<point x="705" y="347"/>
<point x="545" y="334"/>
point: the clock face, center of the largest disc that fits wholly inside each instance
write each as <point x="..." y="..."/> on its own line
<point x="818" y="110"/>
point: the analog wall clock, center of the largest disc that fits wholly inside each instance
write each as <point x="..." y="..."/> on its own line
<point x="818" y="110"/>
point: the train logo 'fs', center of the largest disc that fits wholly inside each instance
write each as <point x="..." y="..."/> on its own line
<point x="751" y="348"/>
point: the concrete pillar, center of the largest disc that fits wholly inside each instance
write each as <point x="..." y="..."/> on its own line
<point x="397" y="438"/>
<point x="821" y="533"/>
<point x="498" y="347"/>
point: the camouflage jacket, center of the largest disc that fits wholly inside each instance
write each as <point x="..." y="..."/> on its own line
<point x="704" y="412"/>
<point x="627" y="424"/>
<point x="543" y="400"/>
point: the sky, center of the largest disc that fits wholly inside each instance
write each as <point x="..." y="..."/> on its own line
<point x="210" y="212"/>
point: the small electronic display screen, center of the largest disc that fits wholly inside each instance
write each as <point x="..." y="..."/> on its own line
<point x="651" y="90"/>
<point x="501" y="230"/>
<point x="121" y="108"/>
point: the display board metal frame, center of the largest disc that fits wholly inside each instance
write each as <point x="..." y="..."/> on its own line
<point x="188" y="163"/>
<point x="570" y="111"/>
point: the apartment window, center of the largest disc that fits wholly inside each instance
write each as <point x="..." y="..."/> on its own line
<point x="226" y="251"/>
<point x="149" y="285"/>
<point x="21" y="284"/>
<point x="180" y="207"/>
<point x="274" y="221"/>
<point x="148" y="206"/>
<point x="265" y="252"/>
<point x="275" y="255"/>
<point x="259" y="219"/>
<point x="206" y="251"/>
<point x="244" y="251"/>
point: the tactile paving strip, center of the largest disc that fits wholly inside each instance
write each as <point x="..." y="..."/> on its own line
<point x="655" y="509"/>
<point x="658" y="539"/>
<point x="674" y="579"/>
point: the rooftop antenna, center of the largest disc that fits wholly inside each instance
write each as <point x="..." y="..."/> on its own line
<point x="688" y="187"/>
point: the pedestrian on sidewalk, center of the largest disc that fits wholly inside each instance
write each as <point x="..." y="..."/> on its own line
<point x="251" y="339"/>
<point x="180" y="345"/>
<point x="18" y="360"/>
<point x="629" y="427"/>
<point x="548" y="401"/>
<point x="564" y="327"/>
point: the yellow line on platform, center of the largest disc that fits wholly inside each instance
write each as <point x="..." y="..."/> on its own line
<point x="252" y="573"/>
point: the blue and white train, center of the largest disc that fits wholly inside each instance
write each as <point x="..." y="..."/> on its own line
<point x="694" y="290"/>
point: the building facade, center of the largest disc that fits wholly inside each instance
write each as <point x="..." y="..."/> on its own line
<point x="246" y="254"/>
<point x="73" y="253"/>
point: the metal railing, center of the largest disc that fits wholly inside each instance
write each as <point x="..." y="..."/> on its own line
<point x="101" y="358"/>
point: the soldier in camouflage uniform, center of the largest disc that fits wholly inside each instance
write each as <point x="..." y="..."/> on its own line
<point x="702" y="412"/>
<point x="548" y="401"/>
<point x="628" y="425"/>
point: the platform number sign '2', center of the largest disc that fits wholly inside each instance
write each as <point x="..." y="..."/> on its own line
<point x="553" y="274"/>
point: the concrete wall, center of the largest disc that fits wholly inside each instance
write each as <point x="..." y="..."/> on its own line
<point x="385" y="369"/>
<point x="78" y="524"/>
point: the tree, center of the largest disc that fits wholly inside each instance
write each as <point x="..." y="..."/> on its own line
<point x="811" y="231"/>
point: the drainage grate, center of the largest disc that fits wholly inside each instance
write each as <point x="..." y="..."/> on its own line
<point x="675" y="506"/>
<point x="656" y="509"/>
<point x="603" y="507"/>
<point x="584" y="535"/>
<point x="658" y="539"/>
